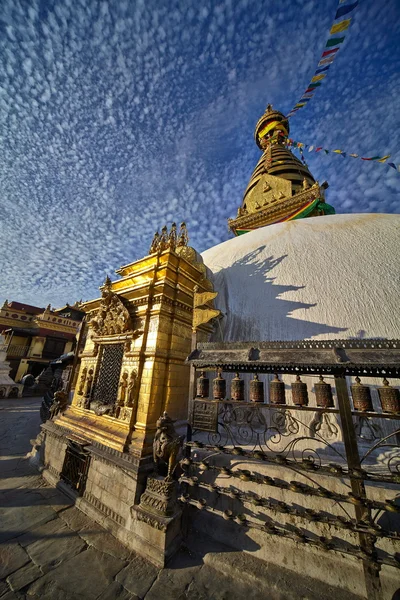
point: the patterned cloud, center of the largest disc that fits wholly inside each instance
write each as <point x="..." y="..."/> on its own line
<point x="119" y="117"/>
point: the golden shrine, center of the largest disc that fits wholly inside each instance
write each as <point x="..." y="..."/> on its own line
<point x="132" y="370"/>
<point x="281" y="187"/>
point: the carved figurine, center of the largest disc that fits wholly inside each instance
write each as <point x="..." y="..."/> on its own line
<point x="166" y="446"/>
<point x="82" y="382"/>
<point x="60" y="403"/>
<point x="123" y="384"/>
<point x="88" y="388"/>
<point x="131" y="389"/>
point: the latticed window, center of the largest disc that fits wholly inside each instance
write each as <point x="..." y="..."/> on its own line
<point x="106" y="387"/>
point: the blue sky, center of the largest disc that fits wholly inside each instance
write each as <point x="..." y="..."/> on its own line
<point x="118" y="117"/>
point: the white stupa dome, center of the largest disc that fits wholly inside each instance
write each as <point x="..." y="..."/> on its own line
<point x="327" y="277"/>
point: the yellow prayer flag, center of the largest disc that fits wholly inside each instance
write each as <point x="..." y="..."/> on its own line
<point x="338" y="151"/>
<point x="383" y="159"/>
<point x="342" y="26"/>
<point x="318" y="77"/>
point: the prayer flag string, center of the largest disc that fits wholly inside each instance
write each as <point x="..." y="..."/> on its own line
<point x="301" y="147"/>
<point x="331" y="49"/>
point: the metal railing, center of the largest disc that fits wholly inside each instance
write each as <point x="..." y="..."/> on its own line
<point x="17" y="351"/>
<point x="307" y="440"/>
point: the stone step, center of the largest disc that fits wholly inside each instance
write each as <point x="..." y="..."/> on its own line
<point x="261" y="579"/>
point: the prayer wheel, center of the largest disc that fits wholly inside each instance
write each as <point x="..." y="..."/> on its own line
<point x="203" y="386"/>
<point x="219" y="387"/>
<point x="389" y="397"/>
<point x="256" y="390"/>
<point x="361" y="396"/>
<point x="299" y="392"/>
<point x="237" y="388"/>
<point x="323" y="394"/>
<point x="277" y="391"/>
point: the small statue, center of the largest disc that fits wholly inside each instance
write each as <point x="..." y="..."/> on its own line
<point x="306" y="185"/>
<point x="88" y="388"/>
<point x="172" y="238"/>
<point x="131" y="389"/>
<point x="155" y="244"/>
<point x="123" y="384"/>
<point x="166" y="446"/>
<point x="82" y="382"/>
<point x="60" y="403"/>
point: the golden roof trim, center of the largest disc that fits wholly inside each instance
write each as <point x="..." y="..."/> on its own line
<point x="269" y="212"/>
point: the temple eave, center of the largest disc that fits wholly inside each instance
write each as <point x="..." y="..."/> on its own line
<point x="271" y="214"/>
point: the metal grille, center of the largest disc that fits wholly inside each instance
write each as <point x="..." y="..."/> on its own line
<point x="106" y="387"/>
<point x="75" y="467"/>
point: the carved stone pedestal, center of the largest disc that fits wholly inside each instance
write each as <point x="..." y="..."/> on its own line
<point x="158" y="520"/>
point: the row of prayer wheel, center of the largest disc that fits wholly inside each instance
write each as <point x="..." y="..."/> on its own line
<point x="361" y="394"/>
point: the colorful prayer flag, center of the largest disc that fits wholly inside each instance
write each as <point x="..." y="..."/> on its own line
<point x="342" y="26"/>
<point x="321" y="70"/>
<point x="328" y="52"/>
<point x="383" y="159"/>
<point x="345" y="10"/>
<point x="334" y="42"/>
<point x="318" y="78"/>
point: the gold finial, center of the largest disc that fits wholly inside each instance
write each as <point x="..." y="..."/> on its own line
<point x="107" y="283"/>
<point x="183" y="235"/>
<point x="163" y="239"/>
<point x="269" y="108"/>
<point x="172" y="238"/>
<point x="155" y="243"/>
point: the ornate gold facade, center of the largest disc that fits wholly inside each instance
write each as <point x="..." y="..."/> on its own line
<point x="281" y="187"/>
<point x="148" y="314"/>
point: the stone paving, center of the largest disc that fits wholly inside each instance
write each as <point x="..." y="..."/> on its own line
<point x="50" y="550"/>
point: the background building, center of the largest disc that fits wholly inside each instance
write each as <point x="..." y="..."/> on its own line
<point x="34" y="336"/>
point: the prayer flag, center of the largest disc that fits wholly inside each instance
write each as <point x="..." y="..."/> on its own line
<point x="337" y="151"/>
<point x="311" y="148"/>
<point x="392" y="165"/>
<point x="384" y="158"/>
<point x="328" y="52"/>
<point x="345" y="10"/>
<point x="314" y="85"/>
<point x="354" y="155"/>
<point x="304" y="99"/>
<point x="323" y="69"/>
<point x="334" y="42"/>
<point x="327" y="61"/>
<point x="310" y="89"/>
<point x="326" y="151"/>
<point x="318" y="78"/>
<point x="318" y="149"/>
<point x="299" y="105"/>
<point x="342" y="26"/>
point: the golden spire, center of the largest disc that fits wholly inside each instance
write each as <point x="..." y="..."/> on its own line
<point x="281" y="187"/>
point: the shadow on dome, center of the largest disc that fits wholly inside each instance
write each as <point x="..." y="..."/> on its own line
<point x="250" y="300"/>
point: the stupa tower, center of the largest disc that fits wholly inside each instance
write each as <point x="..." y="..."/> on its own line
<point x="281" y="187"/>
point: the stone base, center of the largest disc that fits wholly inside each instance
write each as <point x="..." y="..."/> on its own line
<point x="114" y="485"/>
<point x="158" y="537"/>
